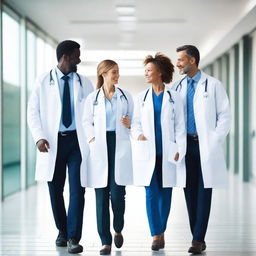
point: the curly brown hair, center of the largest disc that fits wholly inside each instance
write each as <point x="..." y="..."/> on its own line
<point x="163" y="64"/>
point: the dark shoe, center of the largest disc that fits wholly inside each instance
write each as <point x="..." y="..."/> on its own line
<point x="105" y="250"/>
<point x="74" y="246"/>
<point x="118" y="240"/>
<point x="61" y="240"/>
<point x="157" y="245"/>
<point x="197" y="247"/>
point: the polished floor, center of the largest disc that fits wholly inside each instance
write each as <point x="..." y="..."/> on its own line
<point x="27" y="227"/>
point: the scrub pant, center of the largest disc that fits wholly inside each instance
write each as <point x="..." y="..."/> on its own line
<point x="112" y="192"/>
<point x="68" y="155"/>
<point x="198" y="198"/>
<point x="158" y="201"/>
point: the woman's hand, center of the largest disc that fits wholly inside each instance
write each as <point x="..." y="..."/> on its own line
<point x="176" y="158"/>
<point x="91" y="140"/>
<point x="142" y="137"/>
<point x="126" y="122"/>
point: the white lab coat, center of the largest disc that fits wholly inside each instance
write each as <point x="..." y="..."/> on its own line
<point x="212" y="118"/>
<point x="44" y="115"/>
<point x="94" y="123"/>
<point x="173" y="131"/>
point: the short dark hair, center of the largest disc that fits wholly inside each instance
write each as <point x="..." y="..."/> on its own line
<point x="66" y="47"/>
<point x="164" y="65"/>
<point x="191" y="51"/>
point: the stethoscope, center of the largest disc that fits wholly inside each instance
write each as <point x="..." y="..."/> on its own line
<point x="205" y="86"/>
<point x="52" y="82"/>
<point x="146" y="94"/>
<point x="95" y="102"/>
<point x="170" y="100"/>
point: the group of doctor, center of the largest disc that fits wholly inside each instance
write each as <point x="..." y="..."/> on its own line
<point x="167" y="138"/>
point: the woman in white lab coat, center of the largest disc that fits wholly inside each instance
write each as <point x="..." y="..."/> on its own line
<point x="108" y="112"/>
<point x="159" y="144"/>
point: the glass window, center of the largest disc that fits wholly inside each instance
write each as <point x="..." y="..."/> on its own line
<point x="50" y="60"/>
<point x="11" y="104"/>
<point x="31" y="73"/>
<point x="40" y="56"/>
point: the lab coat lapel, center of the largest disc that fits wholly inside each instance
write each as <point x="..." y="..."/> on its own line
<point x="183" y="92"/>
<point x="119" y="109"/>
<point x="76" y="88"/>
<point x="101" y="115"/>
<point x="165" y="104"/>
<point x="55" y="88"/>
<point x="149" y="111"/>
<point x="200" y="86"/>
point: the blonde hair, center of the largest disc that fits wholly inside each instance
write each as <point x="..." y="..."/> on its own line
<point x="104" y="66"/>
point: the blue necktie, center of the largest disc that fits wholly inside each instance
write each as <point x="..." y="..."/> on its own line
<point x="191" y="126"/>
<point x="66" y="105"/>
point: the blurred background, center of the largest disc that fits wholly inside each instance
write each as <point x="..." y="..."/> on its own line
<point x="126" y="31"/>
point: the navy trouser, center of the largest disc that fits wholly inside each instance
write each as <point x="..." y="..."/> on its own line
<point x="112" y="192"/>
<point x="68" y="155"/>
<point x="158" y="201"/>
<point x="198" y="198"/>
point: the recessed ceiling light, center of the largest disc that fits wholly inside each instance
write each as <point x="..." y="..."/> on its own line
<point x="126" y="18"/>
<point x="125" y="9"/>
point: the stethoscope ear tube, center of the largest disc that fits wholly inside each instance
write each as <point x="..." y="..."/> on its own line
<point x="95" y="102"/>
<point x="52" y="80"/>
<point x="146" y="94"/>
<point x="205" y="87"/>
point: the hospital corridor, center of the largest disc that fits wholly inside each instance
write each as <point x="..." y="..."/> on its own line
<point x="136" y="40"/>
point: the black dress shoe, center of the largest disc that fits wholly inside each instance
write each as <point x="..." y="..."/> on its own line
<point x="203" y="246"/>
<point x="118" y="240"/>
<point x="157" y="245"/>
<point x="61" y="240"/>
<point x="105" y="251"/>
<point x="197" y="247"/>
<point x="74" y="246"/>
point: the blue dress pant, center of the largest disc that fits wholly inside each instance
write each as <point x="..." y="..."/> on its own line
<point x="114" y="193"/>
<point x="158" y="201"/>
<point x="68" y="155"/>
<point x="198" y="198"/>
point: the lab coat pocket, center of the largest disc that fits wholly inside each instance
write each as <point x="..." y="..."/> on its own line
<point x="172" y="150"/>
<point x="214" y="140"/>
<point x="215" y="148"/>
<point x="43" y="159"/>
<point x="94" y="153"/>
<point x="140" y="150"/>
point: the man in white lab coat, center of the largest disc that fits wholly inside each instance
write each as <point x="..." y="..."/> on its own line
<point x="54" y="118"/>
<point x="207" y="115"/>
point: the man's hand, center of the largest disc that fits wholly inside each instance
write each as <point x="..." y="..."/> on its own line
<point x="142" y="137"/>
<point x="43" y="145"/>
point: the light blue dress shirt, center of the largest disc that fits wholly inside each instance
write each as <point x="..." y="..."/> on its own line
<point x="196" y="78"/>
<point x="191" y="126"/>
<point x="111" y="106"/>
<point x="59" y="75"/>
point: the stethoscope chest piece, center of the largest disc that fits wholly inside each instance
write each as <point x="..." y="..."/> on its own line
<point x="205" y="94"/>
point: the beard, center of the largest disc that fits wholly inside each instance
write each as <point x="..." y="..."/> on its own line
<point x="185" y="70"/>
<point x="73" y="68"/>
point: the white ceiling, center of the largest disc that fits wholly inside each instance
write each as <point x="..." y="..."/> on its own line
<point x="160" y="25"/>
